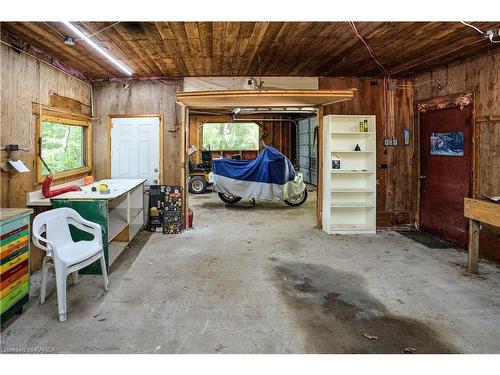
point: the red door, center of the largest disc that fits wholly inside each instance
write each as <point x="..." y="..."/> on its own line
<point x="445" y="172"/>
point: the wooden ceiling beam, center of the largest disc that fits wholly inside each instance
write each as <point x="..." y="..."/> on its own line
<point x="174" y="49"/>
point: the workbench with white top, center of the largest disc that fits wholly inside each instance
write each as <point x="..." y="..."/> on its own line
<point x="119" y="212"/>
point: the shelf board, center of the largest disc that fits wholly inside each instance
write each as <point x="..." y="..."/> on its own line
<point x="352" y="133"/>
<point x="351" y="205"/>
<point x="349" y="171"/>
<point x="116" y="223"/>
<point x="351" y="190"/>
<point x="352" y="228"/>
<point x="351" y="151"/>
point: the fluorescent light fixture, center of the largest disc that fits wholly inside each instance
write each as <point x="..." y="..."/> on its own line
<point x="99" y="49"/>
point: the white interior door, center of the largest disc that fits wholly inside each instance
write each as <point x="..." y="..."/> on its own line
<point x="135" y="148"/>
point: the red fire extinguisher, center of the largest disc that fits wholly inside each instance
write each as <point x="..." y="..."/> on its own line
<point x="190" y="218"/>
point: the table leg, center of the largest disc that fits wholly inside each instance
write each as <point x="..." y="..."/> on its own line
<point x="473" y="260"/>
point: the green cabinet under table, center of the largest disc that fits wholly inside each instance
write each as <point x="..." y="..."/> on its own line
<point x="96" y="211"/>
<point x="15" y="239"/>
<point x="120" y="215"/>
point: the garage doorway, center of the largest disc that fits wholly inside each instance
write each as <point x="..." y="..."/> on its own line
<point x="446" y="171"/>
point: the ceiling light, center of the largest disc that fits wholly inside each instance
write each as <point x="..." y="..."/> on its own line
<point x="70" y="41"/>
<point x="98" y="48"/>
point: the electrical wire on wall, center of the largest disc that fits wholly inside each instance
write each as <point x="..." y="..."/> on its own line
<point x="382" y="68"/>
<point x="372" y="54"/>
<point x="56" y="30"/>
<point x="489" y="34"/>
<point x="420" y="84"/>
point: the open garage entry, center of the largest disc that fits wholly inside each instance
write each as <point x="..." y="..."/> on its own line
<point x="244" y="135"/>
<point x="289" y="186"/>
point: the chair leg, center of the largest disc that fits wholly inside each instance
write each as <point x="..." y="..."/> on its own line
<point x="75" y="277"/>
<point x="61" y="293"/>
<point x="104" y="273"/>
<point x="43" y="287"/>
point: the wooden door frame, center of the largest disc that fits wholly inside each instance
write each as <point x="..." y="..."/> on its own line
<point x="474" y="146"/>
<point x="184" y="157"/>
<point x="319" y="165"/>
<point x="108" y="140"/>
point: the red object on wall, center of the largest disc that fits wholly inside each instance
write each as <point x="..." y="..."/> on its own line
<point x="47" y="193"/>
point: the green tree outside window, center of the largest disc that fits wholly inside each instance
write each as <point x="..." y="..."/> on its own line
<point x="62" y="147"/>
<point x="229" y="136"/>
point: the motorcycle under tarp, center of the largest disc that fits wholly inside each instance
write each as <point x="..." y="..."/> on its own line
<point x="270" y="176"/>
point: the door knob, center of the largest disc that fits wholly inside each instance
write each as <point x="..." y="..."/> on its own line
<point x="156" y="169"/>
<point x="423" y="177"/>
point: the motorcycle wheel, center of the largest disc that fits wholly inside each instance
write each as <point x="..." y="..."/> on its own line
<point x="298" y="200"/>
<point x="228" y="198"/>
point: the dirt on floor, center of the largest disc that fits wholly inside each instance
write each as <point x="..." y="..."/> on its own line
<point x="338" y="314"/>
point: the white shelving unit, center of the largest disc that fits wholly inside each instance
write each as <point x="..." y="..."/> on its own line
<point x="349" y="193"/>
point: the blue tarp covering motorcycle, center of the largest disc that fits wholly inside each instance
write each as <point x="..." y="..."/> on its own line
<point x="270" y="176"/>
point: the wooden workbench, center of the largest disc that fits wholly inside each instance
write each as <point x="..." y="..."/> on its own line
<point x="119" y="212"/>
<point x="479" y="211"/>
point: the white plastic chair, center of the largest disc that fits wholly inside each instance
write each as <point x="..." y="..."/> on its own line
<point x="51" y="233"/>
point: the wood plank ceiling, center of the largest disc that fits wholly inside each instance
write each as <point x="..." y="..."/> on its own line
<point x="182" y="49"/>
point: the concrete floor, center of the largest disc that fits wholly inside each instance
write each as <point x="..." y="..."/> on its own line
<point x="263" y="280"/>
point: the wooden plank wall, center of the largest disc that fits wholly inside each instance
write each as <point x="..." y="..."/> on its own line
<point x="139" y="98"/>
<point x="20" y="88"/>
<point x="277" y="134"/>
<point x="396" y="184"/>
<point x="19" y="82"/>
<point x="481" y="75"/>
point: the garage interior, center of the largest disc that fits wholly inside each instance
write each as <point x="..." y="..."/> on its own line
<point x="394" y="250"/>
